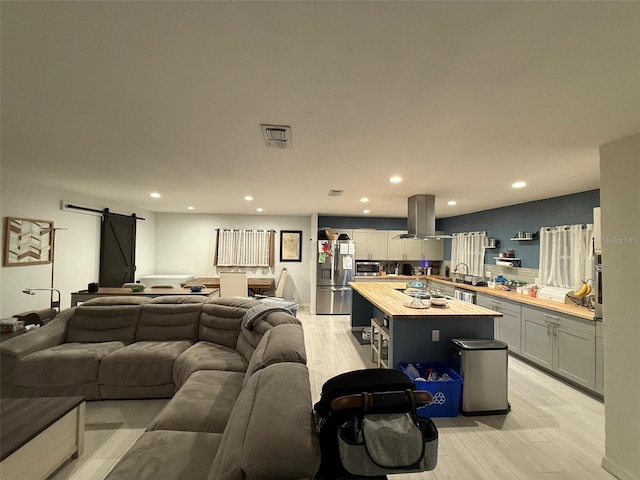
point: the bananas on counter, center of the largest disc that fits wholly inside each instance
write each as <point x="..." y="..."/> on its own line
<point x="585" y="290"/>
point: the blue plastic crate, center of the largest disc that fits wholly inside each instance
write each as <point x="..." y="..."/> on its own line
<point x="446" y="393"/>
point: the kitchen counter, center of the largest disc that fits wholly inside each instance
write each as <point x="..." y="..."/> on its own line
<point x="389" y="300"/>
<point x="417" y="335"/>
<point x="566" y="308"/>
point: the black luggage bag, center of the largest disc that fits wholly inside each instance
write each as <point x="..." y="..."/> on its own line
<point x="368" y="426"/>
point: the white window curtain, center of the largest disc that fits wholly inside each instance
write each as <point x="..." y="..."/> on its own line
<point x="566" y="258"/>
<point x="247" y="248"/>
<point x="468" y="248"/>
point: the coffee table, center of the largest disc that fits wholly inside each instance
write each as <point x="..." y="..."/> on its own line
<point x="37" y="435"/>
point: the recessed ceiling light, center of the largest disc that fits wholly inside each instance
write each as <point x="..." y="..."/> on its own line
<point x="452" y="202"/>
<point x="191" y="208"/>
<point x="259" y="209"/>
<point x="395" y="179"/>
<point x="248" y="198"/>
<point x="366" y="211"/>
<point x="364" y="199"/>
<point x="155" y="195"/>
<point x="518" y="184"/>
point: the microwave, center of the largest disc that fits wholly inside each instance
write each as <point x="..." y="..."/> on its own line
<point x="371" y="269"/>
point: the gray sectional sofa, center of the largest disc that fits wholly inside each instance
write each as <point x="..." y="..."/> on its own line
<point x="240" y="405"/>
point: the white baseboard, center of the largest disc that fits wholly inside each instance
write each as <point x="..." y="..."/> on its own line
<point x="617" y="471"/>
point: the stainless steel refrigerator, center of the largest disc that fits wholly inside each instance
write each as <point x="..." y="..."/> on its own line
<point x="336" y="268"/>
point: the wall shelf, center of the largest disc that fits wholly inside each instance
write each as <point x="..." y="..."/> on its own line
<point x="534" y="236"/>
<point x="508" y="259"/>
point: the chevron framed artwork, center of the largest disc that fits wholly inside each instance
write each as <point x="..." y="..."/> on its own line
<point x="27" y="242"/>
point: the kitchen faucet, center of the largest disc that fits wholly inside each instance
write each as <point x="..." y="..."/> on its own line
<point x="455" y="270"/>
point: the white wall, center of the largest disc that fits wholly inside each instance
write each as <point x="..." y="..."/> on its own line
<point x="77" y="249"/>
<point x="185" y="244"/>
<point x="620" y="210"/>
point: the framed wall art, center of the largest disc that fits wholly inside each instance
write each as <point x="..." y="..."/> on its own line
<point x="290" y="245"/>
<point x="27" y="242"/>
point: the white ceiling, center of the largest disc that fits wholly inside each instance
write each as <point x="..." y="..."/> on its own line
<point x="119" y="99"/>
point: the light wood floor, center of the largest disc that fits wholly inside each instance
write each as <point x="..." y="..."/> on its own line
<point x="554" y="432"/>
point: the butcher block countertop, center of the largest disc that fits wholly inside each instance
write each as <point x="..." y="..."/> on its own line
<point x="566" y="308"/>
<point x="385" y="297"/>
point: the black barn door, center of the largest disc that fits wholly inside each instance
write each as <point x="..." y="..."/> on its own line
<point x="117" y="250"/>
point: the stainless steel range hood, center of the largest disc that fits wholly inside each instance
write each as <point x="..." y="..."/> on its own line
<point x="421" y="219"/>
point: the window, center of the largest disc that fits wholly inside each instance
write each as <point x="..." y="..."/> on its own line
<point x="468" y="248"/>
<point x="566" y="258"/>
<point x="244" y="248"/>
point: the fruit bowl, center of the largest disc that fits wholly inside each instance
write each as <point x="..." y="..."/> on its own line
<point x="579" y="301"/>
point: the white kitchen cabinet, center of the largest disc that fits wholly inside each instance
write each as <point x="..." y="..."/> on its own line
<point x="563" y="344"/>
<point x="508" y="328"/>
<point x="401" y="248"/>
<point x="413" y="250"/>
<point x="433" y="249"/>
<point x="370" y="244"/>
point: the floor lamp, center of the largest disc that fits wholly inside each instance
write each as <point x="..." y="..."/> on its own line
<point x="54" y="304"/>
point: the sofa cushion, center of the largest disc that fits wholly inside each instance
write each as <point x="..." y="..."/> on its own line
<point x="64" y="365"/>
<point x="283" y="343"/>
<point x="111" y="319"/>
<point x="203" y="404"/>
<point x="207" y="356"/>
<point x="141" y="364"/>
<point x="170" y="318"/>
<point x="220" y="322"/>
<point x="271" y="421"/>
<point x="249" y="339"/>
<point x="168" y="455"/>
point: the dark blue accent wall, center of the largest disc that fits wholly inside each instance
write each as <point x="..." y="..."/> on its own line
<point x="379" y="223"/>
<point x="505" y="222"/>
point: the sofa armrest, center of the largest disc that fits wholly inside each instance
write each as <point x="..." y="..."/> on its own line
<point x="271" y="432"/>
<point x="49" y="335"/>
<point x="12" y="350"/>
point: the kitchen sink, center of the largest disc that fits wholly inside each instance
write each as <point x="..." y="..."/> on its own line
<point x="451" y="279"/>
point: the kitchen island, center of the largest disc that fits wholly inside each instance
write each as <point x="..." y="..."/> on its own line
<point x="417" y="334"/>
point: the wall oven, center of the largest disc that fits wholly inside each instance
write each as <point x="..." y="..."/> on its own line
<point x="368" y="268"/>
<point x="598" y="288"/>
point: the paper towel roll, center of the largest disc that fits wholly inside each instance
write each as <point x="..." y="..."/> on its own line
<point x="504" y="263"/>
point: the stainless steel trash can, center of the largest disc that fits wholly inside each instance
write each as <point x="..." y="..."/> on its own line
<point x="483" y="365"/>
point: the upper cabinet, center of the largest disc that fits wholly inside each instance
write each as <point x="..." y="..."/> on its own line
<point x="433" y="249"/>
<point x="370" y="244"/>
<point x="413" y="250"/>
<point x="403" y="249"/>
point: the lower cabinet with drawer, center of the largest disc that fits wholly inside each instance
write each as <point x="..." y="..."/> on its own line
<point x="508" y="328"/>
<point x="561" y="343"/>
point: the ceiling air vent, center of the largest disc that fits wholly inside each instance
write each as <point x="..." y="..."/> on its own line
<point x="277" y="136"/>
<point x="335" y="193"/>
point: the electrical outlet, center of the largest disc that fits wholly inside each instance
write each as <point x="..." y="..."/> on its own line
<point x="435" y="335"/>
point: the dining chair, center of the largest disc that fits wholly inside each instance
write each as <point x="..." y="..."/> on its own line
<point x="281" y="283"/>
<point x="233" y="284"/>
<point x="279" y="290"/>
